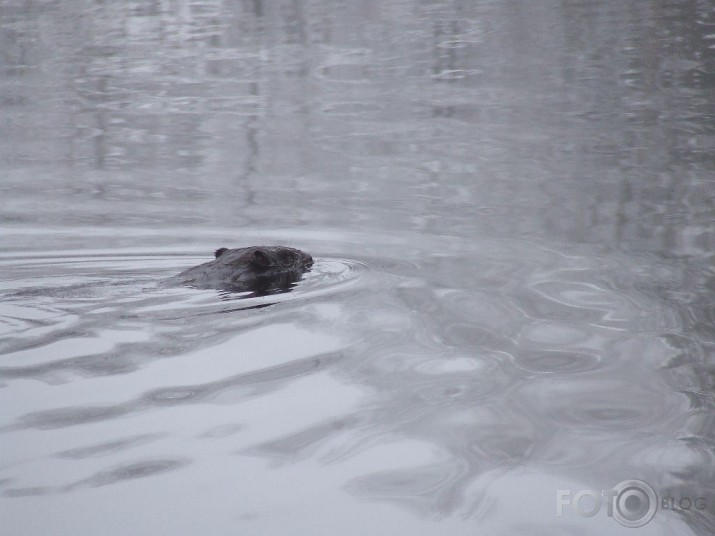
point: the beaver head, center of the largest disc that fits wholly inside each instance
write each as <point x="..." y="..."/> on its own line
<point x="260" y="269"/>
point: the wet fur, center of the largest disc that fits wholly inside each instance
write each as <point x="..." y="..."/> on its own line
<point x="258" y="269"/>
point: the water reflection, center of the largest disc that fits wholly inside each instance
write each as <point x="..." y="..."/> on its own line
<point x="605" y="138"/>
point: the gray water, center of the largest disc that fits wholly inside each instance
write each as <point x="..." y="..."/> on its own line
<point x="511" y="206"/>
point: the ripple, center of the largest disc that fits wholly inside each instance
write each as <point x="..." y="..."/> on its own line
<point x="108" y="477"/>
<point x="462" y="389"/>
<point x="34" y="491"/>
<point x="604" y="415"/>
<point x="440" y="347"/>
<point x="503" y="445"/>
<point x="401" y="482"/>
<point x="553" y="361"/>
<point x="57" y="300"/>
<point x="172" y="396"/>
<point x="290" y="446"/>
<point x="490" y="309"/>
<point x="221" y="431"/>
<point x="422" y="488"/>
<point x="330" y="275"/>
<point x="572" y="302"/>
<point x="475" y="336"/>
<point x="71" y="416"/>
<point x="79" y="276"/>
<point x="610" y="404"/>
<point x="108" y="447"/>
<point x="130" y="471"/>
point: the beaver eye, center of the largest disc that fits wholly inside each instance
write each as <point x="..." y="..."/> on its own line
<point x="260" y="259"/>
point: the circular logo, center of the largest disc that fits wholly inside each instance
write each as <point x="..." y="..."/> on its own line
<point x="635" y="503"/>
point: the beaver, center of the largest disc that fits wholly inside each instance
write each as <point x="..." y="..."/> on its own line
<point x="258" y="269"/>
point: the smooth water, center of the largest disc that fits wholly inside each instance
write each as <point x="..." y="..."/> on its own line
<point x="512" y="210"/>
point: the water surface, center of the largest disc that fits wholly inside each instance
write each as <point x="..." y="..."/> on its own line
<point x="511" y="206"/>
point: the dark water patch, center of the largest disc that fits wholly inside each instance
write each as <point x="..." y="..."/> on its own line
<point x="475" y="336"/>
<point x="221" y="431"/>
<point x="28" y="492"/>
<point x="115" y="475"/>
<point x="504" y="446"/>
<point x="175" y="395"/>
<point x="304" y="442"/>
<point x="129" y="471"/>
<point x="107" y="448"/>
<point x="551" y="361"/>
<point x="87" y="366"/>
<point x="62" y="418"/>
<point x="269" y="378"/>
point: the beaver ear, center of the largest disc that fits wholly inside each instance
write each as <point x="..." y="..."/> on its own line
<point x="260" y="259"/>
<point x="219" y="252"/>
